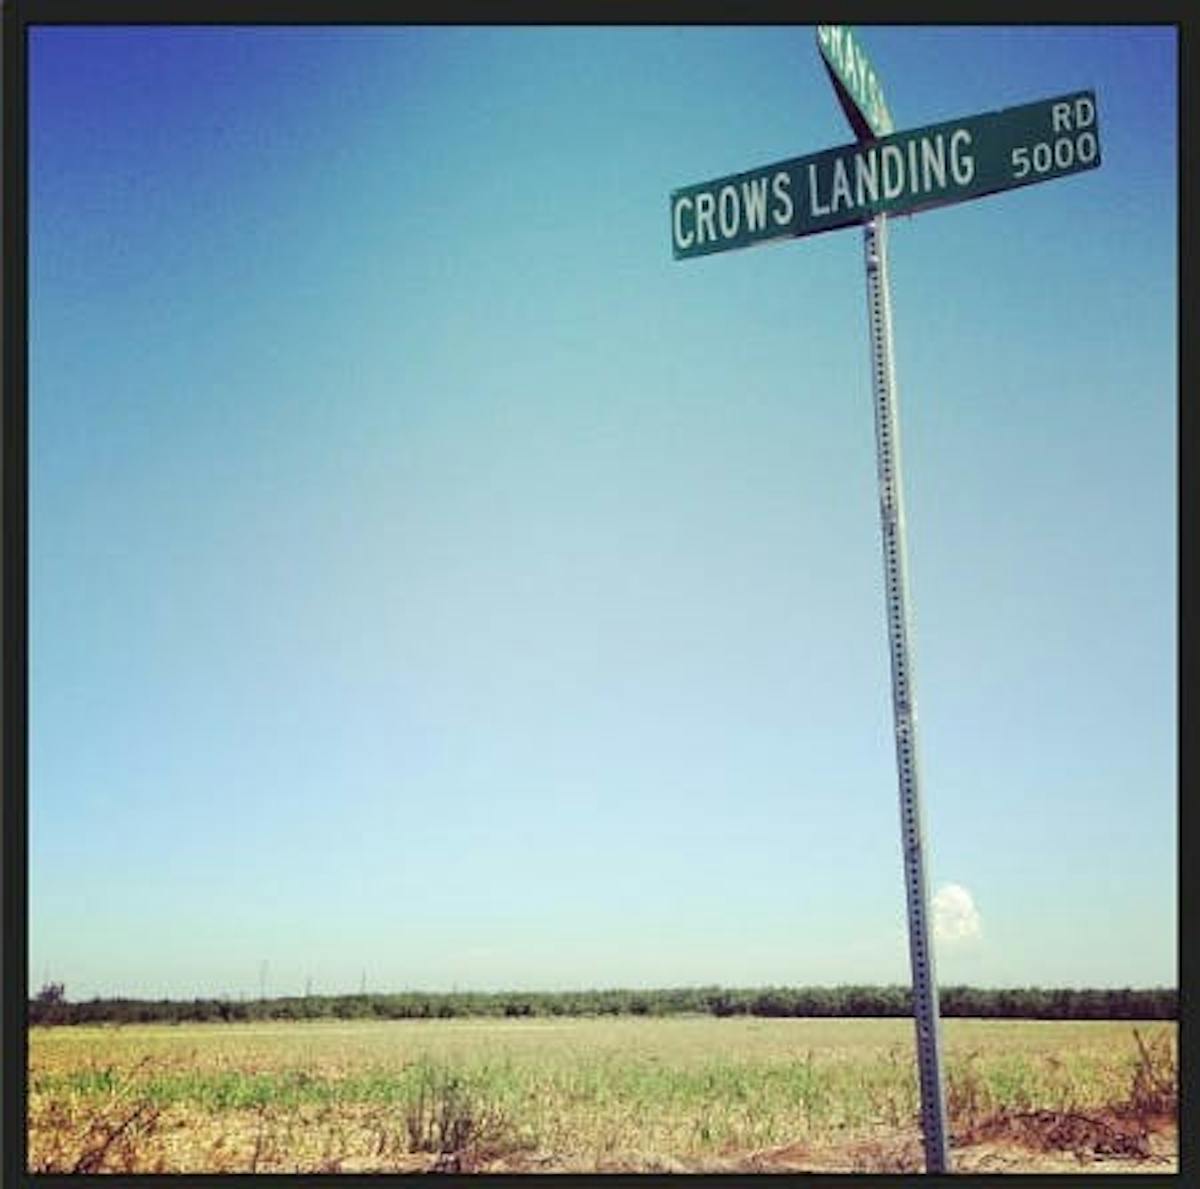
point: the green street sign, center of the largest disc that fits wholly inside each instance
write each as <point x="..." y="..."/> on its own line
<point x="898" y="174"/>
<point x="854" y="79"/>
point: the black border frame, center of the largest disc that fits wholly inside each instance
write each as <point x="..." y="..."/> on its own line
<point x="17" y="16"/>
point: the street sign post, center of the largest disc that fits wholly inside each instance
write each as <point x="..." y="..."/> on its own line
<point x="903" y="173"/>
<point x="869" y="118"/>
<point x="890" y="173"/>
<point x="913" y="845"/>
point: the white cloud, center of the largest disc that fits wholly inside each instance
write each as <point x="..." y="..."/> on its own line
<point x="955" y="917"/>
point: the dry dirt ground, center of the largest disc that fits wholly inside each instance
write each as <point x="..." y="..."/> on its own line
<point x="1038" y="1142"/>
<point x="1041" y="1142"/>
<point x="1046" y="1145"/>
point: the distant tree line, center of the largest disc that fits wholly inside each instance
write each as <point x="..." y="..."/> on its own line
<point x="51" y="1006"/>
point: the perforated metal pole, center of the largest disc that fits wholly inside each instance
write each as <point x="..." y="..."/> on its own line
<point x="912" y="820"/>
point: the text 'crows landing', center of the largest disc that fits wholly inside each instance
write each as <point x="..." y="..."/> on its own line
<point x="902" y="173"/>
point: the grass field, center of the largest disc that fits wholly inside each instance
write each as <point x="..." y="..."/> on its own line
<point x="677" y="1093"/>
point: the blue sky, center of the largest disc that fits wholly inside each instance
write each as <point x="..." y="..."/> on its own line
<point x="432" y="580"/>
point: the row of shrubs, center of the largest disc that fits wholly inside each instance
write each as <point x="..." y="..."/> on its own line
<point x="1020" y="1003"/>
